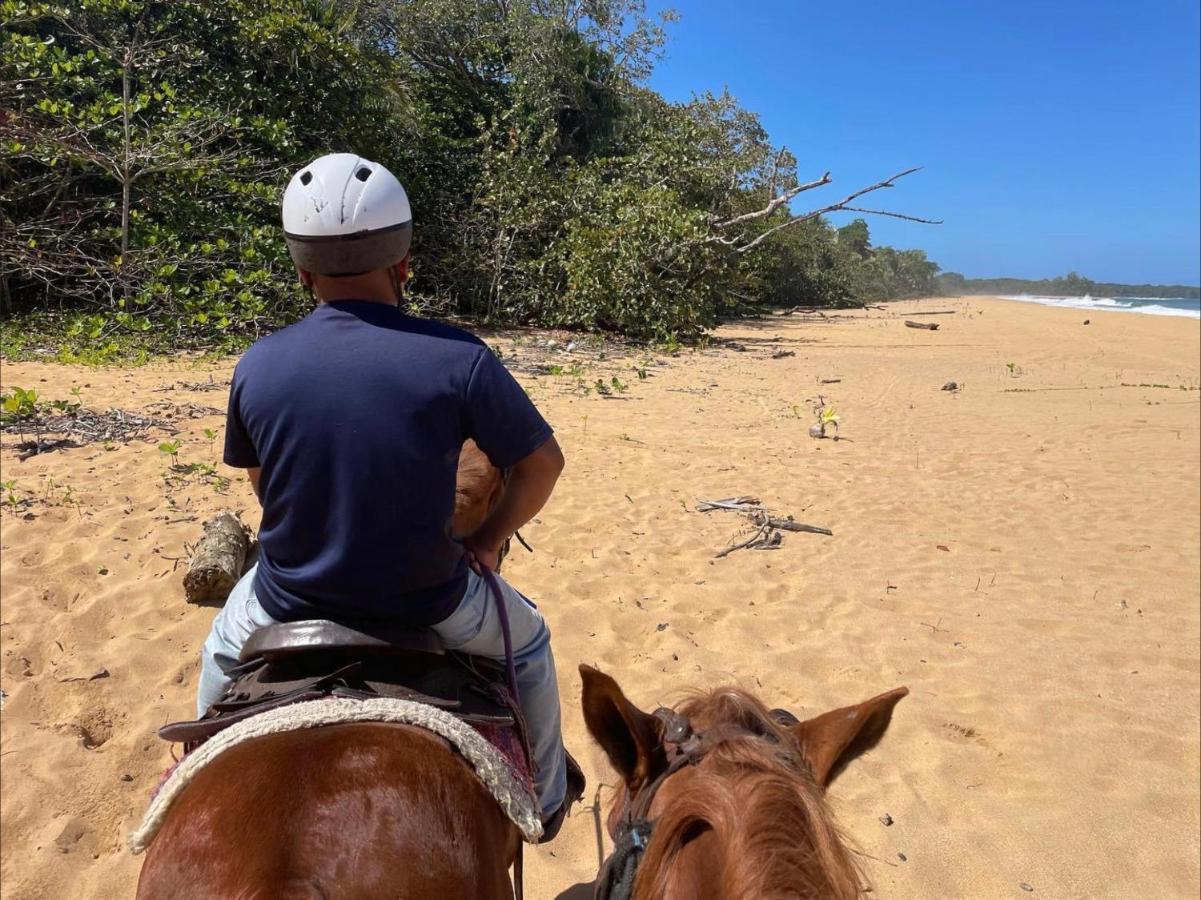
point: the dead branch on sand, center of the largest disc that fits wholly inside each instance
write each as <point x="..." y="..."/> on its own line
<point x="768" y="528"/>
<point x="84" y="426"/>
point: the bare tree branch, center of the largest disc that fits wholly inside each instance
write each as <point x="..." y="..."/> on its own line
<point x="843" y="204"/>
<point x="892" y="215"/>
<point x="776" y="202"/>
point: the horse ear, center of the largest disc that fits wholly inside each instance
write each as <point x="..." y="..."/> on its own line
<point x="630" y="738"/>
<point x="830" y="741"/>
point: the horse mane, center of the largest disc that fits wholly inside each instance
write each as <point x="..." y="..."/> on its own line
<point x="756" y="793"/>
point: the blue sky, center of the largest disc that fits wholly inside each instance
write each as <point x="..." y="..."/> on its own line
<point x="1055" y="135"/>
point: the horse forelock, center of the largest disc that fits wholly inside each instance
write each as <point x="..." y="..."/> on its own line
<point x="753" y="790"/>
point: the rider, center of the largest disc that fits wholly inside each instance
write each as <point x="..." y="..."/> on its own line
<point x="349" y="424"/>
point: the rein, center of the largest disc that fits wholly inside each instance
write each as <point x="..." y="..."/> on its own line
<point x="511" y="677"/>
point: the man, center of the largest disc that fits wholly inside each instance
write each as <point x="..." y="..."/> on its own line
<point x="349" y="424"/>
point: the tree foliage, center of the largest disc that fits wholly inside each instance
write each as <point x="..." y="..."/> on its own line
<point x="147" y="143"/>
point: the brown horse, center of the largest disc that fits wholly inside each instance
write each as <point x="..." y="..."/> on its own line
<point x="353" y="811"/>
<point x="732" y="794"/>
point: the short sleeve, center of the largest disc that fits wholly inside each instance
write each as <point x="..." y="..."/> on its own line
<point x="239" y="448"/>
<point x="499" y="415"/>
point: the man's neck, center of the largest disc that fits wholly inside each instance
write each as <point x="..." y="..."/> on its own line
<point x="382" y="301"/>
<point x="370" y="287"/>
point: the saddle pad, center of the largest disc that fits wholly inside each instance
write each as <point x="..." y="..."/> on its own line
<point x="514" y="798"/>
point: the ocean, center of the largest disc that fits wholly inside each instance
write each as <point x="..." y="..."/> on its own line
<point x="1151" y="306"/>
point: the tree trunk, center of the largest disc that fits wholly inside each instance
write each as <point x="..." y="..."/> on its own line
<point x="125" y="183"/>
<point x="217" y="564"/>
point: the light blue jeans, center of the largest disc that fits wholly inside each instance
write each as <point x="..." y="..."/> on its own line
<point x="473" y="628"/>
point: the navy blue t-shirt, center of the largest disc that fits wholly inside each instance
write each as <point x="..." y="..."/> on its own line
<point x="356" y="415"/>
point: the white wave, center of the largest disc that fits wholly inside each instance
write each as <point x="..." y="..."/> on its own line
<point x="1106" y="304"/>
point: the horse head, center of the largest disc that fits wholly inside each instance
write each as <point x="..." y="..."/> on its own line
<point x="722" y="797"/>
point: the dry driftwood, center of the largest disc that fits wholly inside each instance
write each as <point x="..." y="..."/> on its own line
<point x="738" y="504"/>
<point x="85" y="426"/>
<point x="787" y="524"/>
<point x="767" y="535"/>
<point x="929" y="326"/>
<point x="217" y="562"/>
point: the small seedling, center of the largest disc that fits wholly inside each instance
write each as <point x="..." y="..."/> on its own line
<point x="826" y="417"/>
<point x="10" y="490"/>
<point x="18" y="405"/>
<point x="641" y="370"/>
<point x="618" y="385"/>
<point x="171" y="449"/>
<point x="602" y="388"/>
<point x="212" y="436"/>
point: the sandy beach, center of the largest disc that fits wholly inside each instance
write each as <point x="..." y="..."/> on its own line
<point x="1023" y="553"/>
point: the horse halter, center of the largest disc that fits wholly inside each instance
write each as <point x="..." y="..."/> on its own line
<point x="684" y="746"/>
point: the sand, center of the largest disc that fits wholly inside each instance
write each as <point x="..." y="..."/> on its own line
<point x="1023" y="554"/>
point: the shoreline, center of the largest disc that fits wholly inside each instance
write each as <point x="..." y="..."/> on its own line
<point x="1154" y="306"/>
<point x="1022" y="553"/>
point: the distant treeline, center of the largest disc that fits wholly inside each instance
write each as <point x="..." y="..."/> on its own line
<point x="1070" y="285"/>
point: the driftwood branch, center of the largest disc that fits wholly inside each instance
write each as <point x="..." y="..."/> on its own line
<point x="217" y="563"/>
<point x="787" y="524"/>
<point x="739" y="504"/>
<point x="928" y="326"/>
<point x="768" y="528"/>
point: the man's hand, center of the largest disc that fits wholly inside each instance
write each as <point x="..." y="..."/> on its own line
<point x="480" y="556"/>
<point x="530" y="486"/>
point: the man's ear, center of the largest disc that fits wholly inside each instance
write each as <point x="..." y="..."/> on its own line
<point x="306" y="278"/>
<point x="830" y="741"/>
<point x="630" y="738"/>
<point x="402" y="268"/>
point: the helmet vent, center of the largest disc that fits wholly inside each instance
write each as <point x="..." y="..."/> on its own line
<point x="305" y="178"/>
<point x="363" y="174"/>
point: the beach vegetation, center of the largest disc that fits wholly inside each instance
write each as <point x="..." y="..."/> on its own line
<point x="171" y="450"/>
<point x="827" y="418"/>
<point x="18" y="405"/>
<point x="148" y="141"/>
<point x="10" y="494"/>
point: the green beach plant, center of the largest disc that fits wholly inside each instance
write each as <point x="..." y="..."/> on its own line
<point x="171" y="449"/>
<point x="827" y="417"/>
<point x="19" y="405"/>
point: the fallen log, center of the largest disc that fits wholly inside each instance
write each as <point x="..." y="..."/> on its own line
<point x="217" y="562"/>
<point x="936" y="312"/>
<point x="928" y="326"/>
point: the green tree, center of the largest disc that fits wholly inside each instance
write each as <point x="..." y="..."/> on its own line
<point x="856" y="238"/>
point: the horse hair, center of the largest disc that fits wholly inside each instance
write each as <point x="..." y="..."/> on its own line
<point x="754" y="791"/>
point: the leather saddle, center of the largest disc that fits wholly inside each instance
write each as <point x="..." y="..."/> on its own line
<point x="298" y="661"/>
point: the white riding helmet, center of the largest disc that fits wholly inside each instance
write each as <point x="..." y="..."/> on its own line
<point x="345" y="215"/>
